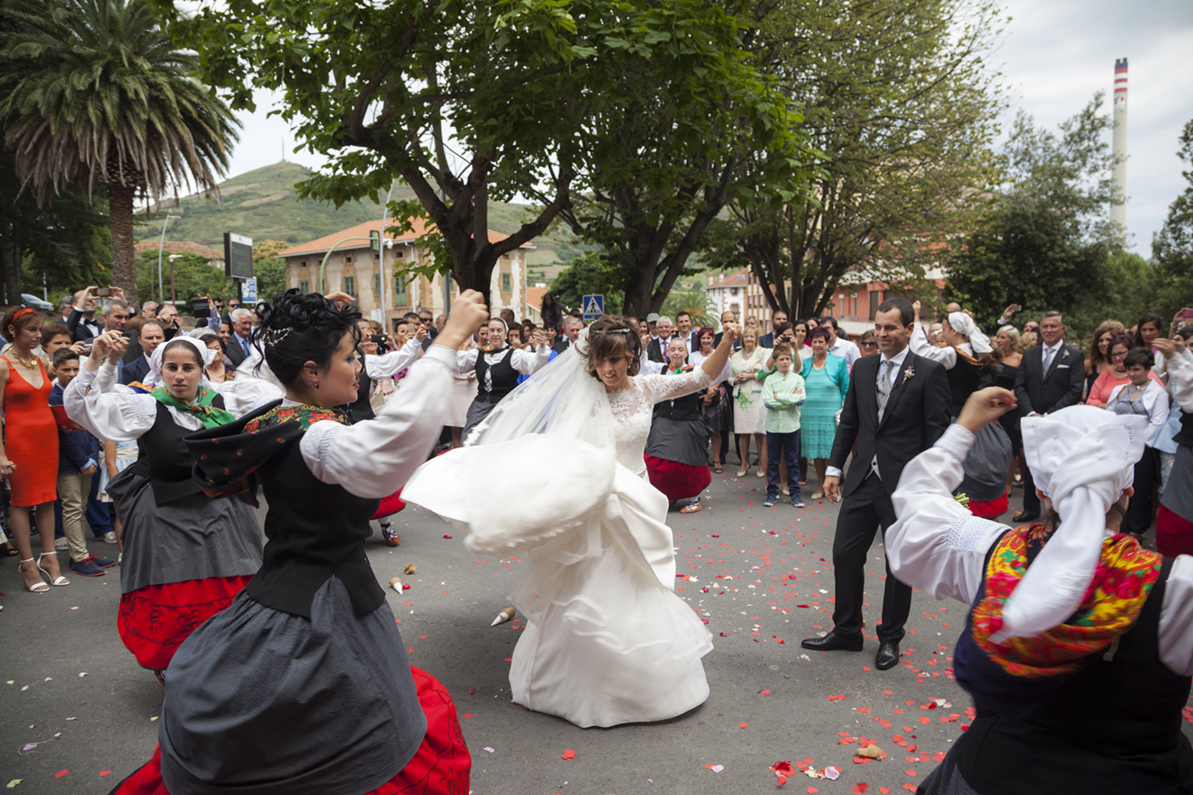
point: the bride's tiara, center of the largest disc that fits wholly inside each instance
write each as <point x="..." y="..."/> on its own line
<point x="618" y="331"/>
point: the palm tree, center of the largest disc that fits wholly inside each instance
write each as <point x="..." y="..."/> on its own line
<point x="94" y="91"/>
<point x="695" y="302"/>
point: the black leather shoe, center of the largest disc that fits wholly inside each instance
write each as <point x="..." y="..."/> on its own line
<point x="1023" y="517"/>
<point x="833" y="641"/>
<point x="888" y="655"/>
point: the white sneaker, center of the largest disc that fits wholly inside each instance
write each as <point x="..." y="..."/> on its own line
<point x="110" y="537"/>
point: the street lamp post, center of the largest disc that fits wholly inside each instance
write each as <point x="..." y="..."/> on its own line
<point x="322" y="265"/>
<point x="173" y="292"/>
<point x="161" y="292"/>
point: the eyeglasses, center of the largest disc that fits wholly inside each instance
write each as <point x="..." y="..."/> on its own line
<point x="1119" y="355"/>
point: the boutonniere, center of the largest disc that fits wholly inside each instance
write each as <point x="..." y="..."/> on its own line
<point x="908" y="374"/>
<point x="1065" y="354"/>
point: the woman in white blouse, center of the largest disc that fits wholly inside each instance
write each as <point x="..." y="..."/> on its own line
<point x="185" y="555"/>
<point x="1067" y="618"/>
<point x="497" y="367"/>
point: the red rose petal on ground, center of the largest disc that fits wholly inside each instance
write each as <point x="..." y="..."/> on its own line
<point x="467" y="714"/>
<point x="447" y="536"/>
<point x="743" y="725"/>
<point x="103" y="773"/>
<point x="863" y="709"/>
<point x="61" y="773"/>
<point x="861" y="788"/>
<point x="569" y="754"/>
<point x="884" y="791"/>
<point x="766" y="692"/>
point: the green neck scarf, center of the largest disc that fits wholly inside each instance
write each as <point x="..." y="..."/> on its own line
<point x="209" y="415"/>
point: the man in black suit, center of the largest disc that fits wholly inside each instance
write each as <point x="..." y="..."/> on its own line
<point x="238" y="343"/>
<point x="150" y="337"/>
<point x="1049" y="378"/>
<point x="571" y="330"/>
<point x="656" y="349"/>
<point x="81" y="320"/>
<point x="896" y="407"/>
<point x="777" y="318"/>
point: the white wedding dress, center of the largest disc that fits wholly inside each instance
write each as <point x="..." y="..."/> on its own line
<point x="607" y="640"/>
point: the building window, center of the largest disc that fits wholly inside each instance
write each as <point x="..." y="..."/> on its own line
<point x="733" y="291"/>
<point x="350" y="285"/>
<point x="400" y="253"/>
<point x="304" y="286"/>
<point x="377" y="283"/>
<point x="506" y="283"/>
<point x="875" y="300"/>
<point x="735" y="309"/>
<point x="400" y="291"/>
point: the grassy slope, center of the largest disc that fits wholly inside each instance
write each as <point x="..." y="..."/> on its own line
<point x="262" y="204"/>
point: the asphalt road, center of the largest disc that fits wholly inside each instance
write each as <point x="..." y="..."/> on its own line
<point x="761" y="577"/>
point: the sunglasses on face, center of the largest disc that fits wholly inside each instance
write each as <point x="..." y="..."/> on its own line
<point x="869" y="344"/>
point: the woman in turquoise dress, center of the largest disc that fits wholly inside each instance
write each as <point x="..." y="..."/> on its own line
<point x="826" y="379"/>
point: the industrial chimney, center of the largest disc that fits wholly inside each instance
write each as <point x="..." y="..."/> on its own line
<point x="1118" y="210"/>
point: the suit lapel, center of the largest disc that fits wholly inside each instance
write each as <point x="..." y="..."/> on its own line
<point x="896" y="390"/>
<point x="1060" y="352"/>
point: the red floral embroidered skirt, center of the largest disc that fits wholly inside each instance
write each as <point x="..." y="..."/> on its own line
<point x="988" y="509"/>
<point x="389" y="505"/>
<point x="154" y="621"/>
<point x="1174" y="535"/>
<point x="441" y="766"/>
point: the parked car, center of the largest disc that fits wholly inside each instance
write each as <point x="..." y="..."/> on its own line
<point x="33" y="302"/>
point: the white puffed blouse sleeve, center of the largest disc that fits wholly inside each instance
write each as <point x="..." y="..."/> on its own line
<point x="393" y="362"/>
<point x="95" y="401"/>
<point x="936" y="544"/>
<point x="374" y="458"/>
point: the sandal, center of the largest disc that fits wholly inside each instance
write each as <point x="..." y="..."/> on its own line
<point x="59" y="580"/>
<point x="716" y="467"/>
<point x="818" y="495"/>
<point x="39" y="586"/>
<point x="7" y="551"/>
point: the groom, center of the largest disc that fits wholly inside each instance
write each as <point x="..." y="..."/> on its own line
<point x="897" y="406"/>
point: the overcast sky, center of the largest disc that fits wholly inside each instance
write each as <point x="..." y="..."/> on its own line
<point x="1054" y="56"/>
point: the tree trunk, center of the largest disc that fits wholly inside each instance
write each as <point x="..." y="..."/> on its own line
<point x="10" y="261"/>
<point x="124" y="254"/>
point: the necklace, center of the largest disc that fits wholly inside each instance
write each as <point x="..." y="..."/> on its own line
<point x="31" y="364"/>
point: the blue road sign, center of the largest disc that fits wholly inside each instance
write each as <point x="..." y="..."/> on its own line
<point x="593" y="306"/>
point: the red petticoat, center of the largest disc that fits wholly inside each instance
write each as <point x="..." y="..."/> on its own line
<point x="442" y="765"/>
<point x="1174" y="535"/>
<point x="154" y="621"/>
<point x="389" y="505"/>
<point x="677" y="481"/>
<point x="990" y="509"/>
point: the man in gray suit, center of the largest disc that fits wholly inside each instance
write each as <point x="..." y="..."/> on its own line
<point x="1049" y="379"/>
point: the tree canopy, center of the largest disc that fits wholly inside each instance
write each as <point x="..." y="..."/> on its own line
<point x="466" y="100"/>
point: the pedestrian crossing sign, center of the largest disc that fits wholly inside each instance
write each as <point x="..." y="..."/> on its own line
<point x="593" y="306"/>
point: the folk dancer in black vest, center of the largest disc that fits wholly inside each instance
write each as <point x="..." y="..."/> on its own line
<point x="897" y="406"/>
<point x="302" y="686"/>
<point x="969" y="359"/>
<point x="497" y="368"/>
<point x="1078" y="646"/>
<point x="677" y="448"/>
<point x="1051" y="377"/>
<point x="185" y="555"/>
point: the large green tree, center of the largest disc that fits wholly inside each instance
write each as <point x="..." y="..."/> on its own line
<point x="464" y="100"/>
<point x="1172" y="250"/>
<point x="1047" y="239"/>
<point x="899" y="102"/>
<point x="93" y="91"/>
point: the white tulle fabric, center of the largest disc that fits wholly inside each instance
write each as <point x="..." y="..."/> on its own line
<point x="607" y="640"/>
<point x="1083" y="459"/>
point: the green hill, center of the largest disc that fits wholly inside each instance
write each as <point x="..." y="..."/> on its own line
<point x="263" y="204"/>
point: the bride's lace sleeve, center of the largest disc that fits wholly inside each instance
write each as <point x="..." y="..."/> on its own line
<point x="666" y="387"/>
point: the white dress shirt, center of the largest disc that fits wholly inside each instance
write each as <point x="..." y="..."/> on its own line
<point x="1048" y="354"/>
<point x="846" y="350"/>
<point x="898" y="360"/>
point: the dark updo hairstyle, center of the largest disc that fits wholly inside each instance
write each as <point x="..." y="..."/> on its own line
<point x="610" y="335"/>
<point x="296" y="329"/>
<point x="11" y="319"/>
<point x="178" y="344"/>
<point x="1137" y="357"/>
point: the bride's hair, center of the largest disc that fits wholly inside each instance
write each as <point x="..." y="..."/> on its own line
<point x="610" y="335"/>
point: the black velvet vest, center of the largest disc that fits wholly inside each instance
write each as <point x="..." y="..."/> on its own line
<point x="504" y="377"/>
<point x="164" y="458"/>
<point x="315" y="531"/>
<point x="964" y="379"/>
<point x="1114" y="727"/>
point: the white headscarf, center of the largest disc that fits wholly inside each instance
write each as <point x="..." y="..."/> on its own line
<point x="1083" y="459"/>
<point x="963" y="324"/>
<point x="154" y="377"/>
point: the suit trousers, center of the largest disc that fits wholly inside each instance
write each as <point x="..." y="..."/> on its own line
<point x="866" y="509"/>
<point x="1139" y="509"/>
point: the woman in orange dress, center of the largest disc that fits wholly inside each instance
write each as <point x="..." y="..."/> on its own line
<point x="29" y="453"/>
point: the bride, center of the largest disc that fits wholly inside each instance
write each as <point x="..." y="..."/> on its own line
<point x="607" y="640"/>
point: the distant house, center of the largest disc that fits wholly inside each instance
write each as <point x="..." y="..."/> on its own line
<point x="739" y="293"/>
<point x="214" y="258"/>
<point x="383" y="289"/>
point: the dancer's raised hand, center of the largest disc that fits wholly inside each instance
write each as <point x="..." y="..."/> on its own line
<point x="468" y="312"/>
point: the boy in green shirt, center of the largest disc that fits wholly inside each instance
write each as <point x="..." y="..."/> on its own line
<point x="783" y="394"/>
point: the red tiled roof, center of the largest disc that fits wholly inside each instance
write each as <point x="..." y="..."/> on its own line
<point x="737" y="279"/>
<point x="419" y="228"/>
<point x="185" y="247"/>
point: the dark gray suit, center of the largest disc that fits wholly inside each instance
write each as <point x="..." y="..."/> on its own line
<point x="136" y="370"/>
<point x="916" y="414"/>
<point x="235" y="354"/>
<point x="1042" y="393"/>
